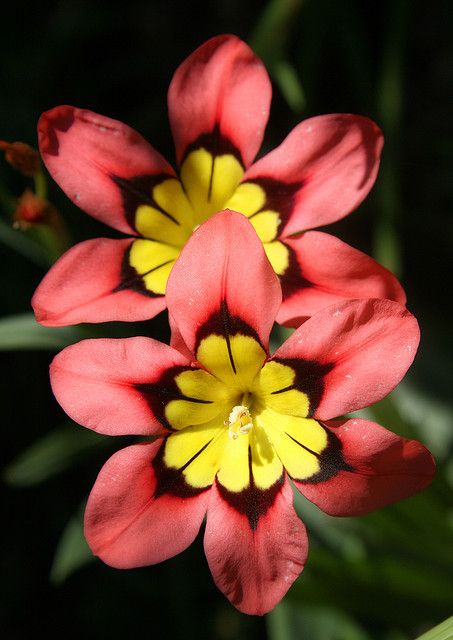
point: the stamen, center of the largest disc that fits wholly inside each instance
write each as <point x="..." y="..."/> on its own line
<point x="239" y="421"/>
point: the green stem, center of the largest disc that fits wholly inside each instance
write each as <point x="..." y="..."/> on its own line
<point x="40" y="185"/>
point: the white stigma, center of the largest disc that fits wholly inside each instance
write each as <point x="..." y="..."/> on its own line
<point x="239" y="421"/>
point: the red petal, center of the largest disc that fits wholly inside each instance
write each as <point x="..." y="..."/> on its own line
<point x="254" y="568"/>
<point x="83" y="150"/>
<point x="82" y="286"/>
<point x="221" y="86"/>
<point x="366" y="347"/>
<point x="326" y="271"/>
<point x="335" y="158"/>
<point x="223" y="262"/>
<point x="385" y="468"/>
<point x="95" y="381"/>
<point x="126" y="525"/>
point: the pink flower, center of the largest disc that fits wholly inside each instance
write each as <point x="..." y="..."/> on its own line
<point x="232" y="423"/>
<point x="218" y="103"/>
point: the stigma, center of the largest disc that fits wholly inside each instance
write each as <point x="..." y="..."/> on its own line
<point x="239" y="421"/>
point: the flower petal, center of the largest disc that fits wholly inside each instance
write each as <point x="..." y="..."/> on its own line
<point x="223" y="272"/>
<point x="220" y="94"/>
<point x="115" y="386"/>
<point x="324" y="169"/>
<point x="323" y="270"/>
<point x="254" y="567"/>
<point x="94" y="282"/>
<point x="129" y="522"/>
<point x="176" y="340"/>
<point x="93" y="158"/>
<point x="353" y="354"/>
<point x="383" y="468"/>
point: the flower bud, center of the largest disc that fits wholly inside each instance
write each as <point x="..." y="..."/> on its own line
<point x="21" y="157"/>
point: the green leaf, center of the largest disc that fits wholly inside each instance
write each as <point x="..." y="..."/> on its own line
<point x="279" y="335"/>
<point x="53" y="453"/>
<point x="21" y="331"/>
<point x="289" y="621"/>
<point x="272" y="28"/>
<point x="24" y="245"/>
<point x="432" y="417"/>
<point x="290" y="85"/>
<point x="72" y="551"/>
<point x="269" y="41"/>
<point x="278" y="622"/>
<point x="443" y="631"/>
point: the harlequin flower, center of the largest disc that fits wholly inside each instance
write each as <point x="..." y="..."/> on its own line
<point x="218" y="105"/>
<point x="234" y="424"/>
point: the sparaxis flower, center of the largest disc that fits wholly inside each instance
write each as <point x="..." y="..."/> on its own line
<point x="218" y="103"/>
<point x="233" y="424"/>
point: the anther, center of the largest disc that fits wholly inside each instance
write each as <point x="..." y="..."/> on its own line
<point x="239" y="422"/>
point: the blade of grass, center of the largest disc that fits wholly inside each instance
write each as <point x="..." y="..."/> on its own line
<point x="72" y="551"/>
<point x="269" y="41"/>
<point x="390" y="98"/>
<point x="17" y="241"/>
<point x="21" y="331"/>
<point x="52" y="454"/>
<point x="278" y="623"/>
<point x="443" y="631"/>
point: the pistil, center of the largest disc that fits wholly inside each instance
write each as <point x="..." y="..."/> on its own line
<point x="239" y="421"/>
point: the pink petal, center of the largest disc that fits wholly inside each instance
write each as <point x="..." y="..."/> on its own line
<point x="325" y="271"/>
<point x="86" y="285"/>
<point x="254" y="567"/>
<point x="223" y="89"/>
<point x="84" y="152"/>
<point x="223" y="266"/>
<point x="176" y="340"/>
<point x="330" y="164"/>
<point x="128" y="524"/>
<point x="100" y="383"/>
<point x="362" y="348"/>
<point x="384" y="468"/>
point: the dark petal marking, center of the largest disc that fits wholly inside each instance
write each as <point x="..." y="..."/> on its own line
<point x="214" y="143"/>
<point x="160" y="392"/>
<point x="133" y="280"/>
<point x="280" y="196"/>
<point x="331" y="460"/>
<point x="288" y="388"/>
<point x="309" y="379"/>
<point x="314" y="453"/>
<point x="225" y="321"/>
<point x="137" y="191"/>
<point x="171" y="481"/>
<point x="292" y="280"/>
<point x="252" y="502"/>
<point x="222" y="323"/>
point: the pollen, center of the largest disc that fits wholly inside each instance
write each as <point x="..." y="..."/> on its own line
<point x="239" y="421"/>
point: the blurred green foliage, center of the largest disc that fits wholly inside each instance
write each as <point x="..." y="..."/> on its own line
<point x="386" y="576"/>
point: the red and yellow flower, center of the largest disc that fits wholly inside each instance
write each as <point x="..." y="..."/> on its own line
<point x="233" y="424"/>
<point x="218" y="103"/>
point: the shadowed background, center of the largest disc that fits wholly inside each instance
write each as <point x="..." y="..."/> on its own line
<point x="386" y="576"/>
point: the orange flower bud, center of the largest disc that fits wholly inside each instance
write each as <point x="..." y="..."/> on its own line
<point x="31" y="209"/>
<point x="21" y="156"/>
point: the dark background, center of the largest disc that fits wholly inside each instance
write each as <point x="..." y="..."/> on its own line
<point x="388" y="576"/>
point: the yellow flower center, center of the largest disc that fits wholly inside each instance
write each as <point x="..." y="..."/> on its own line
<point x="241" y="417"/>
<point x="176" y="208"/>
